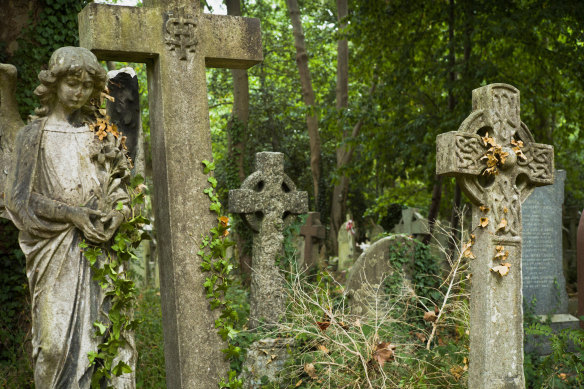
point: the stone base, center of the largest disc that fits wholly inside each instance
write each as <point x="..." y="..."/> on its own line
<point x="265" y="357"/>
<point x="541" y="345"/>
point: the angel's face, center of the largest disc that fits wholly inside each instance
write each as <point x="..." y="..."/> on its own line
<point x="73" y="91"/>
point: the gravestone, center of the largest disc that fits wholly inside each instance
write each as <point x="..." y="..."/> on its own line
<point x="412" y="223"/>
<point x="497" y="164"/>
<point x="543" y="274"/>
<point x="313" y="232"/>
<point x="372" y="267"/>
<point x="346" y="245"/>
<point x="268" y="199"/>
<point x="177" y="41"/>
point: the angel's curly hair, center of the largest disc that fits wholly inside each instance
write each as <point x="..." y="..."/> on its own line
<point x="64" y="61"/>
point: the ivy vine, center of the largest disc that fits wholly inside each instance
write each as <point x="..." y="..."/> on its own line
<point x="109" y="269"/>
<point x="214" y="262"/>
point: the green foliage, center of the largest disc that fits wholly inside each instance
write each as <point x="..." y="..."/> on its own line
<point x="52" y="24"/>
<point x="109" y="270"/>
<point x="214" y="262"/>
<point x="150" y="371"/>
<point x="564" y="366"/>
<point x="333" y="348"/>
<point x="15" y="363"/>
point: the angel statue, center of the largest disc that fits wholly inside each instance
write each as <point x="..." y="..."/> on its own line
<point x="65" y="185"/>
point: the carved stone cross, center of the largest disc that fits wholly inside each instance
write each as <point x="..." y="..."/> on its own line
<point x="493" y="137"/>
<point x="267" y="199"/>
<point x="312" y="230"/>
<point x="177" y="41"/>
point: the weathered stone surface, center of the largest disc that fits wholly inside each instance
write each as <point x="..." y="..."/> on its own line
<point x="313" y="232"/>
<point x="372" y="267"/>
<point x="176" y="41"/>
<point x="64" y="186"/>
<point x="265" y="357"/>
<point x="543" y="275"/>
<point x="268" y="199"/>
<point x="496" y="300"/>
<point x="124" y="112"/>
<point x="10" y="123"/>
<point x="346" y="245"/>
<point x="412" y="223"/>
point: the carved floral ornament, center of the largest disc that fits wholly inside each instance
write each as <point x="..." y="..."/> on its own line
<point x="180" y="30"/>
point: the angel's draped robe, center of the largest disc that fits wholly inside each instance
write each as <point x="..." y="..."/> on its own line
<point x="57" y="163"/>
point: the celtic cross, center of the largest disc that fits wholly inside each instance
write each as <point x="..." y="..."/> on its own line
<point x="497" y="164"/>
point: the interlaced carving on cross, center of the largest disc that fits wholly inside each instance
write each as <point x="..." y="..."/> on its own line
<point x="180" y="33"/>
<point x="268" y="194"/>
<point x="311" y="230"/>
<point x="521" y="164"/>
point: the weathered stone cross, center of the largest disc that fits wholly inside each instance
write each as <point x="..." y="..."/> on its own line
<point x="496" y="312"/>
<point x="267" y="200"/>
<point x="176" y="41"/>
<point x="311" y="230"/>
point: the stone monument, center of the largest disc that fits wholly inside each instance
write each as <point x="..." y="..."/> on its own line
<point x="267" y="199"/>
<point x="543" y="274"/>
<point x="177" y="41"/>
<point x="313" y="232"/>
<point x="412" y="223"/>
<point x="66" y="185"/>
<point x="497" y="164"/>
<point x="372" y="267"/>
<point x="346" y="245"/>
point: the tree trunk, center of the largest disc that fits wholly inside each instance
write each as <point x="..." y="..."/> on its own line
<point x="437" y="190"/>
<point x="340" y="190"/>
<point x="237" y="132"/>
<point x="307" y="95"/>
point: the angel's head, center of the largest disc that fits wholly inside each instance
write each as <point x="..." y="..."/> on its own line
<point x="74" y="80"/>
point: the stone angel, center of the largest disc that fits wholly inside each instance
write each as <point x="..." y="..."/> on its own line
<point x="65" y="185"/>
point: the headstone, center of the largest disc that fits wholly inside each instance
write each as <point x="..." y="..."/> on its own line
<point x="372" y="267"/>
<point x="497" y="164"/>
<point x="373" y="232"/>
<point x="412" y="223"/>
<point x="543" y="273"/>
<point x="313" y="232"/>
<point x="267" y="199"/>
<point x="346" y="245"/>
<point x="177" y="41"/>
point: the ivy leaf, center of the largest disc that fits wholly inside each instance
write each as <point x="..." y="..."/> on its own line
<point x="502" y="269"/>
<point x="100" y="328"/>
<point x="484" y="222"/>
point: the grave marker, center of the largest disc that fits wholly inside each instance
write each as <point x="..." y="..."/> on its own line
<point x="496" y="312"/>
<point x="177" y="41"/>
<point x="267" y="199"/>
<point x="313" y="232"/>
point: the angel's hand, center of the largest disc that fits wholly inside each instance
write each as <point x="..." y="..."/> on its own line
<point x="81" y="218"/>
<point x="114" y="218"/>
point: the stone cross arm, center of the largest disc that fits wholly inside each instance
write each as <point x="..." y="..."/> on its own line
<point x="459" y="153"/>
<point x="313" y="227"/>
<point x="139" y="34"/>
<point x="268" y="191"/>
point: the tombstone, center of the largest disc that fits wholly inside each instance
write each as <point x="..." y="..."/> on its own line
<point x="373" y="232"/>
<point x="368" y="274"/>
<point x="497" y="165"/>
<point x="177" y="41"/>
<point x="268" y="199"/>
<point x="313" y="232"/>
<point x="543" y="270"/>
<point x="412" y="223"/>
<point x="346" y="245"/>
